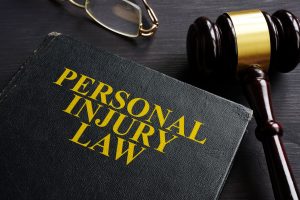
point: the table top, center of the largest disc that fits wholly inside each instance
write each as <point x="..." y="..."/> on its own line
<point x="25" y="23"/>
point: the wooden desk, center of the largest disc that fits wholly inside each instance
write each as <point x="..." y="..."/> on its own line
<point x="25" y="23"/>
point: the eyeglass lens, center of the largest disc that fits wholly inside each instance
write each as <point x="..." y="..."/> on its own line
<point x="121" y="16"/>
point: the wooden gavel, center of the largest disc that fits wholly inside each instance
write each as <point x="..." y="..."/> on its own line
<point x="246" y="44"/>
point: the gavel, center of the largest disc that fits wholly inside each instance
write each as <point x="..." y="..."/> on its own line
<point x="245" y="45"/>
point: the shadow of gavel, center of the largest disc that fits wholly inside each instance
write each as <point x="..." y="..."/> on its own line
<point x="245" y="45"/>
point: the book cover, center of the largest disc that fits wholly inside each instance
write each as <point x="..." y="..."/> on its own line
<point x="77" y="122"/>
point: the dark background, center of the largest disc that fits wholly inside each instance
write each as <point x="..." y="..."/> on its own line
<point x="24" y="24"/>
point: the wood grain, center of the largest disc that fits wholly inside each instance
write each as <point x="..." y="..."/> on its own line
<point x="25" y="23"/>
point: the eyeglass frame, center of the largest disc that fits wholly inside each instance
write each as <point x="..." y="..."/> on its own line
<point x="142" y="31"/>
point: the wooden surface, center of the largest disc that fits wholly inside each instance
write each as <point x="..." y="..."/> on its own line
<point x="25" y="23"/>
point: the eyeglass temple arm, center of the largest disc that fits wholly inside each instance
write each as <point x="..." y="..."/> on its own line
<point x="76" y="4"/>
<point x="154" y="20"/>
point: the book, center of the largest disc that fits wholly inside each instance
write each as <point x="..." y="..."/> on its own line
<point x="80" y="123"/>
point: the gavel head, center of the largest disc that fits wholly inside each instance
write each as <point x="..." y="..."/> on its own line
<point x="240" y="39"/>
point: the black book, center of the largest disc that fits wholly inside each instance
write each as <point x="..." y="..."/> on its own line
<point x="79" y="123"/>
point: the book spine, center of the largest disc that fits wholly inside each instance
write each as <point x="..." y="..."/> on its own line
<point x="19" y="74"/>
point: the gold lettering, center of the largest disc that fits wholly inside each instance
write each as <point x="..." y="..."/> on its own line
<point x="104" y="144"/>
<point x="73" y="103"/>
<point x="68" y="74"/>
<point x="142" y="132"/>
<point x="106" y="119"/>
<point x="163" y="141"/>
<point x="79" y="134"/>
<point x="179" y="124"/>
<point x="143" y="112"/>
<point x="194" y="133"/>
<point x="89" y="109"/>
<point x="119" y="99"/>
<point x="119" y="122"/>
<point x="82" y="83"/>
<point x="103" y="90"/>
<point x="129" y="151"/>
<point x="159" y="113"/>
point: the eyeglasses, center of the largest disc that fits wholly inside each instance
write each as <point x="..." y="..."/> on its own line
<point x="120" y="16"/>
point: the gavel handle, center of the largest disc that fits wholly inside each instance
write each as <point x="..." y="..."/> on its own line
<point x="257" y="89"/>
